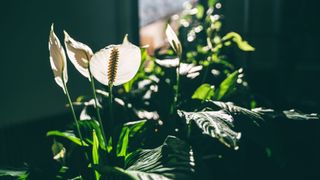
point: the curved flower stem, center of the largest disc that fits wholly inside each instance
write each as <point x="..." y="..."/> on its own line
<point x="97" y="107"/>
<point x="74" y="116"/>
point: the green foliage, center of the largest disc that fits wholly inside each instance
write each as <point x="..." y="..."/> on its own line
<point x="18" y="174"/>
<point x="235" y="37"/>
<point x="194" y="112"/>
<point x="217" y="124"/>
<point x="95" y="153"/>
<point x="172" y="160"/>
<point x="227" y="86"/>
<point x="204" y="92"/>
<point x="128" y="131"/>
<point x="68" y="135"/>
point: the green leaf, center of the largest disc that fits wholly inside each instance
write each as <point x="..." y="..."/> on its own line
<point x="58" y="151"/>
<point x="86" y="127"/>
<point x="227" y="86"/>
<point x="123" y="142"/>
<point x="95" y="153"/>
<point x="68" y="135"/>
<point x="128" y="130"/>
<point x="235" y="37"/>
<point x="216" y="124"/>
<point x="200" y="11"/>
<point x="211" y="3"/>
<point x="172" y="160"/>
<point x="19" y="174"/>
<point x="240" y="113"/>
<point x="204" y="92"/>
<point x="296" y="115"/>
<point x="287" y="114"/>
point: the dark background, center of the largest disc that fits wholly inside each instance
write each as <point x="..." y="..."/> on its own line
<point x="283" y="72"/>
<point x="28" y="90"/>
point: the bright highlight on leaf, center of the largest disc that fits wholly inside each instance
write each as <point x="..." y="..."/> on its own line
<point x="116" y="64"/>
<point x="204" y="92"/>
<point x="57" y="60"/>
<point x="173" y="40"/>
<point x="79" y="54"/>
<point x="243" y="45"/>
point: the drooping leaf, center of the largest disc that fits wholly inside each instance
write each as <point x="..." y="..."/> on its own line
<point x="237" y="111"/>
<point x="296" y="115"/>
<point x="204" y="92"/>
<point x="216" y="124"/>
<point x="287" y="114"/>
<point x="172" y="160"/>
<point x="68" y="135"/>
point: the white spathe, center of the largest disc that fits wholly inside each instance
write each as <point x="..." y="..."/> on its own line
<point x="79" y="54"/>
<point x="57" y="60"/>
<point x="173" y="40"/>
<point x="128" y="63"/>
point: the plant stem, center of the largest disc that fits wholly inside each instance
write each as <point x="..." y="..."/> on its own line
<point x="110" y="105"/>
<point x="111" y="122"/>
<point x="74" y="115"/>
<point x="97" y="108"/>
<point x="205" y="75"/>
<point x="177" y="87"/>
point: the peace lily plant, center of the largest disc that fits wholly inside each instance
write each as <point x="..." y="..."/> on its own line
<point x="112" y="66"/>
<point x="163" y="114"/>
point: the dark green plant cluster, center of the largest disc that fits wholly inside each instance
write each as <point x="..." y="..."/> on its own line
<point x="172" y="120"/>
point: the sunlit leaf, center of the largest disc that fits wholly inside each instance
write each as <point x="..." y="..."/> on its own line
<point x="86" y="127"/>
<point x="19" y="174"/>
<point x="200" y="11"/>
<point x="243" y="45"/>
<point x="237" y="111"/>
<point x="168" y="63"/>
<point x="68" y="135"/>
<point x="95" y="153"/>
<point x="173" y="160"/>
<point x="216" y="124"/>
<point x="227" y="86"/>
<point x="204" y="92"/>
<point x="128" y="130"/>
<point x="296" y="115"/>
